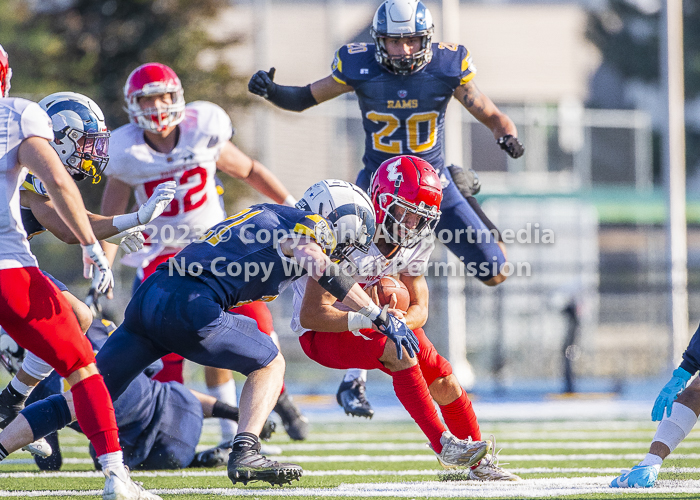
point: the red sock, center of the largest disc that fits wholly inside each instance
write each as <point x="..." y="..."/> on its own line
<point x="412" y="391"/>
<point x="95" y="414"/>
<point x="460" y="418"/>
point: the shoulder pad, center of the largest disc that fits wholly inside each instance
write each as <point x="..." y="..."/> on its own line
<point x="33" y="183"/>
<point x="354" y="62"/>
<point x="452" y="61"/>
<point x="211" y="120"/>
<point x="319" y="229"/>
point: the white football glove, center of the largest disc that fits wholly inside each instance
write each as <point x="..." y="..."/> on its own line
<point x="154" y="206"/>
<point x="131" y="240"/>
<point x="94" y="256"/>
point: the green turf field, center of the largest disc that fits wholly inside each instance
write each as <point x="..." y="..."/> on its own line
<point x="366" y="459"/>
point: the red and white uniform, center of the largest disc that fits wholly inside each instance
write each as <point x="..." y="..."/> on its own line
<point x="192" y="164"/>
<point x="19" y="119"/>
<point x="371" y="266"/>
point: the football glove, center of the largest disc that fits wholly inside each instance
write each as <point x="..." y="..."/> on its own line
<point x="94" y="257"/>
<point x="154" y="206"/>
<point x="511" y="145"/>
<point x="398" y="332"/>
<point x="467" y="181"/>
<point x="261" y="83"/>
<point x="669" y="393"/>
<point x="131" y="240"/>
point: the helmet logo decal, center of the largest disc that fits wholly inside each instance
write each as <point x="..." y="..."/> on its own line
<point x="393" y="173"/>
<point x="403" y="93"/>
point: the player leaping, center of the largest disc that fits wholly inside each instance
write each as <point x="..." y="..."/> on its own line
<point x="32" y="310"/>
<point x="403" y="83"/>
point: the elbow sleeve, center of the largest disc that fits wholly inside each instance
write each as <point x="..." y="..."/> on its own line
<point x="292" y="98"/>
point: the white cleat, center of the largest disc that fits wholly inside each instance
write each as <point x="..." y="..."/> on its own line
<point x="40" y="448"/>
<point x="461" y="452"/>
<point x="489" y="470"/>
<point x="118" y="488"/>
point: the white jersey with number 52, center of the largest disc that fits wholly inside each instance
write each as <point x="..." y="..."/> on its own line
<point x="191" y="164"/>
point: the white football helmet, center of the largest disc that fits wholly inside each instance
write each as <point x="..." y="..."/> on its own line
<point x="11" y="354"/>
<point x="81" y="138"/>
<point x="348" y="209"/>
<point x="403" y="19"/>
<point x="154" y="79"/>
<point x="5" y="73"/>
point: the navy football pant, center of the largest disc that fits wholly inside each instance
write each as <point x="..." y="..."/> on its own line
<point x="180" y="314"/>
<point x="477" y="247"/>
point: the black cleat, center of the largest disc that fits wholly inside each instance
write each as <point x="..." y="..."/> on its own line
<point x="213" y="457"/>
<point x="296" y="424"/>
<point x="249" y="465"/>
<point x="11" y="403"/>
<point x="351" y="396"/>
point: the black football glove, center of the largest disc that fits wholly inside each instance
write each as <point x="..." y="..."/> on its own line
<point x="398" y="332"/>
<point x="93" y="302"/>
<point x="261" y="83"/>
<point x="467" y="181"/>
<point x="511" y="145"/>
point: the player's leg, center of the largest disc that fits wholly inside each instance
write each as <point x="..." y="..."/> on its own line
<point x="220" y="385"/>
<point x="34" y="369"/>
<point x="35" y="313"/>
<point x="669" y="434"/>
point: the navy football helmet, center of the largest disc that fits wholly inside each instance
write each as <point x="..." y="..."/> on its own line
<point x="403" y="19"/>
<point x="81" y="135"/>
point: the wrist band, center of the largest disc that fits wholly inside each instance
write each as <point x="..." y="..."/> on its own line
<point x="126" y="221"/>
<point x="357" y="321"/>
<point x="371" y="311"/>
<point x="290" y="201"/>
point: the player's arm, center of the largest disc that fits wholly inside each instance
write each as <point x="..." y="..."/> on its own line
<point x="237" y="164"/>
<point x="36" y="153"/>
<point x="115" y="199"/>
<point x="417" y="313"/>
<point x="45" y="213"/>
<point x="318" y="312"/>
<point x="295" y="98"/>
<point x="483" y="109"/>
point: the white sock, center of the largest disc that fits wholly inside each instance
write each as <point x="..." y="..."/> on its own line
<point x="114" y="462"/>
<point x="354" y="373"/>
<point x="654" y="460"/>
<point x="36" y="367"/>
<point x="21" y="387"/>
<point x="672" y="430"/>
<point x="226" y="393"/>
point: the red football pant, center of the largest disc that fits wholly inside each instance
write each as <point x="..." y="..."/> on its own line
<point x="39" y="318"/>
<point x="346" y="350"/>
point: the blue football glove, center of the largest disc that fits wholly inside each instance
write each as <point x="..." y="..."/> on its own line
<point x="398" y="332"/>
<point x="669" y="393"/>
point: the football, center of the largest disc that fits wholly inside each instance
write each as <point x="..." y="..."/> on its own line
<point x="389" y="285"/>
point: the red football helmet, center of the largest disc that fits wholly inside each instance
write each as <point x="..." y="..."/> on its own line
<point x="406" y="193"/>
<point x="5" y="73"/>
<point x="154" y="79"/>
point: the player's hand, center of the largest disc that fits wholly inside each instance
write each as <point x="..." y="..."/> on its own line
<point x="92" y="300"/>
<point x="93" y="256"/>
<point x="466" y="181"/>
<point x="131" y="240"/>
<point x="511" y="145"/>
<point x="669" y="393"/>
<point x="398" y="332"/>
<point x="261" y="83"/>
<point x="154" y="206"/>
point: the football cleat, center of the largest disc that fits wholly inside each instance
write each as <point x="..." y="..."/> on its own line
<point x="41" y="448"/>
<point x="10" y="406"/>
<point x="118" y="488"/>
<point x="489" y="470"/>
<point x="296" y="424"/>
<point x="640" y="476"/>
<point x="249" y="465"/>
<point x="55" y="460"/>
<point x="460" y="452"/>
<point x="351" y="396"/>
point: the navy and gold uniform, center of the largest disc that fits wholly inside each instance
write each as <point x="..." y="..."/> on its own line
<point x="405" y="114"/>
<point x="183" y="306"/>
